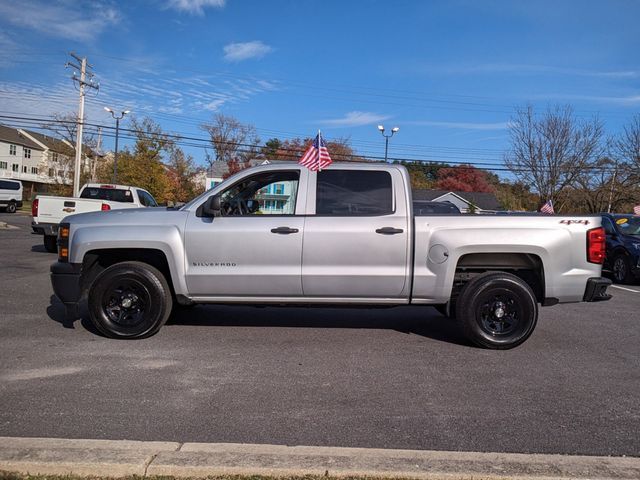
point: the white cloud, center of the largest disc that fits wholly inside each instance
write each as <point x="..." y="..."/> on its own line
<point x="355" y="119"/>
<point x="625" y="101"/>
<point x="194" y="7"/>
<point x="460" y="125"/>
<point x="527" y="69"/>
<point x="80" y="22"/>
<point x="236" y="52"/>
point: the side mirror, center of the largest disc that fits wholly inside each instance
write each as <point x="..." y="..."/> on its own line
<point x="211" y="208"/>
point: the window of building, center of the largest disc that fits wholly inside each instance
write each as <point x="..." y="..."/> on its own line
<point x="3" y="165"/>
<point x="27" y="153"/>
<point x="12" y="149"/>
<point x="51" y="172"/>
<point x="354" y="192"/>
<point x="61" y="173"/>
<point x="15" y="167"/>
<point x="34" y="170"/>
<point x="54" y="156"/>
<point x="25" y="169"/>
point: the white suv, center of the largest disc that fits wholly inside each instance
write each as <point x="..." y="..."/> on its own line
<point x="10" y="195"/>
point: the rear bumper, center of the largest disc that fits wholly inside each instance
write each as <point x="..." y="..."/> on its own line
<point x="596" y="290"/>
<point x="45" y="228"/>
<point x="66" y="283"/>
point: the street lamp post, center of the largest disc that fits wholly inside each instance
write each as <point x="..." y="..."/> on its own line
<point x="115" y="153"/>
<point x="386" y="139"/>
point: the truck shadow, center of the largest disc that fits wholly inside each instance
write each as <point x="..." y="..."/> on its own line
<point x="422" y="321"/>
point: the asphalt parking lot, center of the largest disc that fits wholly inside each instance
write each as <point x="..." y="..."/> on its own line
<point x="385" y="378"/>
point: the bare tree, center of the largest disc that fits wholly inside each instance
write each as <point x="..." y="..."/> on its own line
<point x="231" y="140"/>
<point x="552" y="151"/>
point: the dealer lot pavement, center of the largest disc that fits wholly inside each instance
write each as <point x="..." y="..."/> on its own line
<point x="382" y="378"/>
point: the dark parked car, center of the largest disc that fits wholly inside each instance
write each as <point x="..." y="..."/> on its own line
<point x="623" y="246"/>
<point x="421" y="207"/>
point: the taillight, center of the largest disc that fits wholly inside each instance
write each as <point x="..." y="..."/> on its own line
<point x="34" y="208"/>
<point x="596" y="245"/>
<point x="105" y="207"/>
<point x="63" y="242"/>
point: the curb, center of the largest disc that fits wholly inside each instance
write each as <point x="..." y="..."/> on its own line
<point x="123" y="457"/>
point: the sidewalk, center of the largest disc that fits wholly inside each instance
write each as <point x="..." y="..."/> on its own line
<point x="123" y="457"/>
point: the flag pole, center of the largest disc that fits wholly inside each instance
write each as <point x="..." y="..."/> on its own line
<point x="319" y="146"/>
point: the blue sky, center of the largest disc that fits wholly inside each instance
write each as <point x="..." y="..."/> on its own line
<point x="448" y="73"/>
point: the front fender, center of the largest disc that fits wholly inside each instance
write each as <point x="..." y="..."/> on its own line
<point x="165" y="238"/>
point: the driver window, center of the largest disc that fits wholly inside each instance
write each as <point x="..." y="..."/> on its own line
<point x="268" y="193"/>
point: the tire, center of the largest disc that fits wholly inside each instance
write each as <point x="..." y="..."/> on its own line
<point x="51" y="244"/>
<point x="497" y="310"/>
<point x="129" y="300"/>
<point x="11" y="207"/>
<point x="621" y="269"/>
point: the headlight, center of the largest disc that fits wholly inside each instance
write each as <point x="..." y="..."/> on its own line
<point x="635" y="245"/>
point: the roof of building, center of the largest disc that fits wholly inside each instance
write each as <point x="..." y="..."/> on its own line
<point x="483" y="200"/>
<point x="12" y="135"/>
<point x="53" y="144"/>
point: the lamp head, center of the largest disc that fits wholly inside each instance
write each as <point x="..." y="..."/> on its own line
<point x="108" y="109"/>
<point x="126" y="111"/>
<point x="395" y="129"/>
<point x="381" y="128"/>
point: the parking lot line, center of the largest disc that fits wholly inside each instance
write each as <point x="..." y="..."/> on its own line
<point x="625" y="288"/>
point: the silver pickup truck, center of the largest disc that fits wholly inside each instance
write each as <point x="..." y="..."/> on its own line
<point x="281" y="234"/>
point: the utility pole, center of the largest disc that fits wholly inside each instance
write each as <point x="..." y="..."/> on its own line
<point x="82" y="83"/>
<point x="613" y="183"/>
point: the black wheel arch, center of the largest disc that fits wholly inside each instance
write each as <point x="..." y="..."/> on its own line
<point x="96" y="261"/>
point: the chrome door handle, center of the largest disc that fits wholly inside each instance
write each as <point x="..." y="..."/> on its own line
<point x="389" y="230"/>
<point x="284" y="230"/>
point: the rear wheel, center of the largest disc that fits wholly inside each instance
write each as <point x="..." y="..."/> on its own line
<point x="497" y="310"/>
<point x="129" y="300"/>
<point x="50" y="244"/>
<point x="622" y="269"/>
<point x="11" y="207"/>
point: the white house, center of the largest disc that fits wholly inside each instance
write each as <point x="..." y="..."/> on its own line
<point x="36" y="159"/>
<point x="478" y="202"/>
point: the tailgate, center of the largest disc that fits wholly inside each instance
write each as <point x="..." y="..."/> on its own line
<point x="54" y="209"/>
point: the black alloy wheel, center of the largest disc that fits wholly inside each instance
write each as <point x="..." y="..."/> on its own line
<point x="497" y="310"/>
<point x="129" y="300"/>
<point x="622" y="269"/>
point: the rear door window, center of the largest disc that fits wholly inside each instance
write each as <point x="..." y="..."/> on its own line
<point x="354" y="193"/>
<point x="146" y="199"/>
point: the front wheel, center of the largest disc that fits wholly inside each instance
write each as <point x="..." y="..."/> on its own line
<point x="129" y="300"/>
<point x="50" y="244"/>
<point x="497" y="310"/>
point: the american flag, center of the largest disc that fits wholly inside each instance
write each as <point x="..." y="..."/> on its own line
<point x="317" y="156"/>
<point x="547" y="207"/>
<point x="636" y="209"/>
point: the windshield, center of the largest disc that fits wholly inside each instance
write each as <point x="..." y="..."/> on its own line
<point x="110" y="194"/>
<point x="628" y="224"/>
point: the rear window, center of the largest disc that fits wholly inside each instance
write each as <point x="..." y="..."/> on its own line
<point x="354" y="192"/>
<point x="110" y="194"/>
<point x="7" y="185"/>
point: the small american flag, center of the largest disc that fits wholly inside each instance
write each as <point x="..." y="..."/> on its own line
<point x="636" y="209"/>
<point x="547" y="207"/>
<point x="317" y="156"/>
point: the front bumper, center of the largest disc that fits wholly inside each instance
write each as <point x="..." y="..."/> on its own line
<point x="45" y="228"/>
<point x="596" y="290"/>
<point x="67" y="285"/>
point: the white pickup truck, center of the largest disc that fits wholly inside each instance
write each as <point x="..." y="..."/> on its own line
<point x="48" y="212"/>
<point x="281" y="234"/>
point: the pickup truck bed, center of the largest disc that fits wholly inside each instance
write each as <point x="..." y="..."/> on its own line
<point x="347" y="235"/>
